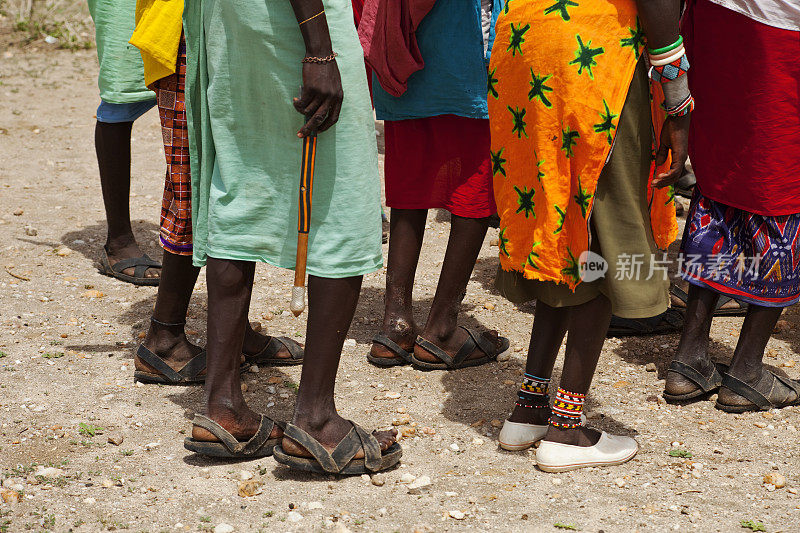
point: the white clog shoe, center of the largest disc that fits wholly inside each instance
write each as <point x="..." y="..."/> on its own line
<point x="609" y="450"/>
<point x="516" y="436"/>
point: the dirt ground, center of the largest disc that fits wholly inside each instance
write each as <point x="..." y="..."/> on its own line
<point x="67" y="335"/>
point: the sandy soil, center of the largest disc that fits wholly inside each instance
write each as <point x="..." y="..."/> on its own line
<point x="66" y="390"/>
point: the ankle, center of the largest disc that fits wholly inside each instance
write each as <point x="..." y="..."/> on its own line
<point x="120" y="242"/>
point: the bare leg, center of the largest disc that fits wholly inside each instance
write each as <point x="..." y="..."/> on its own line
<point x="549" y="328"/>
<point x="331" y="305"/>
<point x="407" y="228"/>
<point x="178" y="277"/>
<point x="113" y="146"/>
<point x="747" y="363"/>
<point x="588" y="324"/>
<point x="230" y="285"/>
<point x="463" y="247"/>
<point x="693" y="346"/>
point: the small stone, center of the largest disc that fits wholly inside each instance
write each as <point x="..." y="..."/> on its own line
<point x="407" y="478"/>
<point x="314" y="505"/>
<point x="401" y="420"/>
<point x="107" y="398"/>
<point x="788" y="364"/>
<point x="245" y="475"/>
<point x="477" y="441"/>
<point x="503" y="357"/>
<point x="509" y="382"/>
<point x="10" y="496"/>
<point x="244" y="387"/>
<point x="30" y="231"/>
<point x="458" y="515"/>
<point x="63" y="252"/>
<point x="760" y="425"/>
<point x="478" y="423"/>
<point x="792" y="490"/>
<point x="365" y="477"/>
<point x="675" y="444"/>
<point x="454" y="447"/>
<point x="379" y="480"/>
<point x="557" y="481"/>
<point x="90" y="501"/>
<point x="150" y="446"/>
<point x="497" y="423"/>
<point x="18" y="212"/>
<point x="407" y="431"/>
<point x="92" y="293"/>
<point x="775" y="479"/>
<point x="275" y="380"/>
<point x="115" y="439"/>
<point x="254" y="369"/>
<point x="650" y="367"/>
<point x="249" y="488"/>
<point x="223" y="528"/>
<point x="619" y="482"/>
<point x="350" y="343"/>
<point x="294" y="516"/>
<point x="49" y="472"/>
<point x="269" y="315"/>
<point x="770" y="487"/>
<point x="489" y="306"/>
<point x="419" y="485"/>
<point x="392" y="395"/>
<point x="106" y="483"/>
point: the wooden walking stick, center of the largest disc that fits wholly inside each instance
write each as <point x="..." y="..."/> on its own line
<point x="303" y="222"/>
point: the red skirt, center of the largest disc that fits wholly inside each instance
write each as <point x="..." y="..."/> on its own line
<point x="745" y="133"/>
<point x="439" y="162"/>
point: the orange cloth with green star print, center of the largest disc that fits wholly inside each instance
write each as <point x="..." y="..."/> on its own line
<point x="558" y="79"/>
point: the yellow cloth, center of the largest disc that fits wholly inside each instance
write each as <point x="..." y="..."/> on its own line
<point x="559" y="75"/>
<point x="157" y="36"/>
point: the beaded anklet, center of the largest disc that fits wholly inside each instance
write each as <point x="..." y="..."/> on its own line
<point x="533" y="393"/>
<point x="567" y="409"/>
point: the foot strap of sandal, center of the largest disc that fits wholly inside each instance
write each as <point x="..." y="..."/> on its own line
<point x="706" y="383"/>
<point x="274" y="346"/>
<point x="230" y="442"/>
<point x="190" y="370"/>
<point x="139" y="264"/>
<point x="755" y="396"/>
<point x="392" y="346"/>
<point x="334" y="462"/>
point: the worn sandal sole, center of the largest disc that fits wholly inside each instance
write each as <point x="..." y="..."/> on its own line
<point x="217" y="449"/>
<point x="467" y="363"/>
<point x="746" y="408"/>
<point x="356" y="467"/>
<point x="160" y="379"/>
<point x="272" y="361"/>
<point x="385" y="362"/>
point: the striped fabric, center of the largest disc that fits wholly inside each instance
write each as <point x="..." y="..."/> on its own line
<point x="176" y="206"/>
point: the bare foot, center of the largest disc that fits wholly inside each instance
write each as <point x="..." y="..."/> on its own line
<point x="329" y="433"/>
<point x="242" y="424"/>
<point x="171" y="345"/>
<point x="452" y="342"/>
<point x="400" y="330"/>
<point x="125" y="249"/>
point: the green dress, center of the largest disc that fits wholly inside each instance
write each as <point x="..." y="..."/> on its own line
<point x="121" y="78"/>
<point x="243" y="69"/>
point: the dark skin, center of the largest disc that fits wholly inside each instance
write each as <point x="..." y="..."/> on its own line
<point x="172" y="303"/>
<point x="747" y="359"/>
<point x="586" y="325"/>
<point x="332" y="302"/>
<point x="407" y="228"/>
<point x="112" y="143"/>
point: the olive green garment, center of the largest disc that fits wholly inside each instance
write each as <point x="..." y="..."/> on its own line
<point x="243" y="69"/>
<point x="620" y="224"/>
<point x="121" y="78"/>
